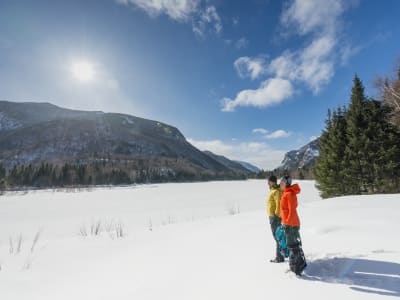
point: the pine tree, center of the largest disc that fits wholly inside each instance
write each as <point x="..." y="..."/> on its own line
<point x="355" y="154"/>
<point x="330" y="165"/>
<point x="359" y="149"/>
<point x="2" y="178"/>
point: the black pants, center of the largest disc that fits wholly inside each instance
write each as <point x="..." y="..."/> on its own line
<point x="292" y="236"/>
<point x="275" y="222"/>
<point x="297" y="260"/>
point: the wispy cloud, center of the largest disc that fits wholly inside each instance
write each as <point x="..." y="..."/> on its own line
<point x="204" y="18"/>
<point x="260" y="130"/>
<point x="319" y="24"/>
<point x="313" y="16"/>
<point x="270" y="92"/>
<point x="208" y="18"/>
<point x="277" y="134"/>
<point x="313" y="65"/>
<point x="241" y="43"/>
<point x="250" y="67"/>
<point x="259" y="154"/>
<point x="179" y="10"/>
<point x="320" y="21"/>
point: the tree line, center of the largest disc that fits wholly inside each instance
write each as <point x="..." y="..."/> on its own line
<point x="49" y="175"/>
<point x="360" y="145"/>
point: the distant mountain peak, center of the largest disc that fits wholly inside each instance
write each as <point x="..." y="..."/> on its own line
<point x="301" y="158"/>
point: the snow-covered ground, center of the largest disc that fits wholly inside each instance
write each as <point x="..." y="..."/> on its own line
<point x="193" y="241"/>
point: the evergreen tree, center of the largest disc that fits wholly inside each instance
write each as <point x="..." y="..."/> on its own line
<point x="330" y="165"/>
<point x="2" y="178"/>
<point x="357" y="140"/>
<point x="359" y="149"/>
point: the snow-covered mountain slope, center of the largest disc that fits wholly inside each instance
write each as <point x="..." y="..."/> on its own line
<point x="301" y="158"/>
<point x="193" y="241"/>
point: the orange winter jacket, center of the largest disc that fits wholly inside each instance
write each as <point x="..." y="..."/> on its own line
<point x="288" y="206"/>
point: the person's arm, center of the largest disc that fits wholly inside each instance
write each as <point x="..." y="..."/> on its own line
<point x="283" y="210"/>
<point x="277" y="199"/>
<point x="291" y="205"/>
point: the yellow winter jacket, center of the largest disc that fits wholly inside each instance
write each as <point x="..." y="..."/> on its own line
<point x="274" y="196"/>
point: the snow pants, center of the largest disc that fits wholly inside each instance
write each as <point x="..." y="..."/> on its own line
<point x="297" y="260"/>
<point x="275" y="222"/>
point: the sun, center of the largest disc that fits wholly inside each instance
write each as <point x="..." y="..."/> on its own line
<point x="83" y="71"/>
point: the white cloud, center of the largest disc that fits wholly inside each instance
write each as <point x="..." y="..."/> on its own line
<point x="260" y="130"/>
<point x="259" y="154"/>
<point x="314" y="64"/>
<point x="250" y="67"/>
<point x="270" y="92"/>
<point x="202" y="18"/>
<point x="313" y="137"/>
<point x="308" y="16"/>
<point x="215" y="146"/>
<point x="179" y="10"/>
<point x="277" y="134"/>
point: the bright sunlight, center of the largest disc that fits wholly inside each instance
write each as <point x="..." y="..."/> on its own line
<point x="83" y="71"/>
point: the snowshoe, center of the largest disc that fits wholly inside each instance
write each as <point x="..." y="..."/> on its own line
<point x="297" y="260"/>
<point x="281" y="238"/>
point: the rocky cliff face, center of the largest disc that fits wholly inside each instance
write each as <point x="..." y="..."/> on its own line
<point x="302" y="158"/>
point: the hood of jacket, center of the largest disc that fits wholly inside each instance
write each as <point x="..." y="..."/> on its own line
<point x="295" y="188"/>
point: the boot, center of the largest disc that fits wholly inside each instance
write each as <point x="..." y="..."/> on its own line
<point x="278" y="259"/>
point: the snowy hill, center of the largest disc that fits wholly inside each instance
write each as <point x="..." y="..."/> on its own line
<point x="193" y="241"/>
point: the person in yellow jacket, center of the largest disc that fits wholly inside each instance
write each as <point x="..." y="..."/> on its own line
<point x="273" y="210"/>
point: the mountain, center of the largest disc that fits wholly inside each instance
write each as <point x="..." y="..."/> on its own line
<point x="31" y="133"/>
<point x="233" y="165"/>
<point x="303" y="158"/>
<point x="250" y="167"/>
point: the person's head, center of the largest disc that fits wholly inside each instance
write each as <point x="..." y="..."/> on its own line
<point x="272" y="180"/>
<point x="285" y="182"/>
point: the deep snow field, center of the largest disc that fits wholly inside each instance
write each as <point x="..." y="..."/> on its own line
<point x="193" y="241"/>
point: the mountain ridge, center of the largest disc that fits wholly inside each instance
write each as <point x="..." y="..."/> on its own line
<point x="31" y="133"/>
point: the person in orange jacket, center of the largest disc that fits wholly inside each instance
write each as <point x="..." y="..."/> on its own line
<point x="291" y="224"/>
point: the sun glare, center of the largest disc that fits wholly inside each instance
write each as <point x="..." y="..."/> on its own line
<point x="83" y="71"/>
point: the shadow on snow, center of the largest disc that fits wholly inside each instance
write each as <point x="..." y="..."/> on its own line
<point x="363" y="275"/>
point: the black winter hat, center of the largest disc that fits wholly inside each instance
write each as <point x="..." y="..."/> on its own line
<point x="273" y="179"/>
<point x="286" y="179"/>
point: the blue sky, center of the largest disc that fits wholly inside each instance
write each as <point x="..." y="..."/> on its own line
<point x="247" y="79"/>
